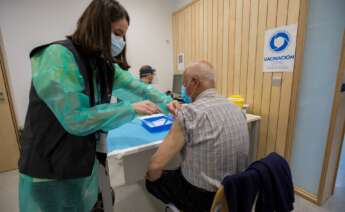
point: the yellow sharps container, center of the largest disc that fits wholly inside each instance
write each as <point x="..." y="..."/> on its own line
<point x="237" y="100"/>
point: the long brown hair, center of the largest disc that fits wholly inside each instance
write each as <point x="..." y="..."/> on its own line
<point x="93" y="33"/>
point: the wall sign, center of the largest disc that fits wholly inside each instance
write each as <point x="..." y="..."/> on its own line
<point x="280" y="48"/>
<point x="180" y="62"/>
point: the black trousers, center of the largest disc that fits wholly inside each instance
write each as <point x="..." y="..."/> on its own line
<point x="173" y="188"/>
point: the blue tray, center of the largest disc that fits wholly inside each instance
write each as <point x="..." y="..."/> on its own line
<point x="158" y="123"/>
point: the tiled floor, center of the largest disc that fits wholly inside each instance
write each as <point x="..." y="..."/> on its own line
<point x="134" y="197"/>
<point x="9" y="191"/>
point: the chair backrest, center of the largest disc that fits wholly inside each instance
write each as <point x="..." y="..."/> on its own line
<point x="219" y="202"/>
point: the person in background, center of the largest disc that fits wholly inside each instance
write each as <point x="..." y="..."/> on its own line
<point x="211" y="134"/>
<point x="72" y="82"/>
<point x="147" y="74"/>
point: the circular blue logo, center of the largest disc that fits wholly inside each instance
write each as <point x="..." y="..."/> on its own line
<point x="279" y="41"/>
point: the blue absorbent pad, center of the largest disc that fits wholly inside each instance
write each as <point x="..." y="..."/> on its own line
<point x="131" y="135"/>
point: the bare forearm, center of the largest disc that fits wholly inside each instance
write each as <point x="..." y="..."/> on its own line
<point x="171" y="145"/>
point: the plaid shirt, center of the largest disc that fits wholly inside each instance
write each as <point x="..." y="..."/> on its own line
<point x="217" y="139"/>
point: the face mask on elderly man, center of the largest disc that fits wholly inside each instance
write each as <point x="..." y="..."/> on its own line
<point x="186" y="99"/>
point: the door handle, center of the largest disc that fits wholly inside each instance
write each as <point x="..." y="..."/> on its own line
<point x="2" y="96"/>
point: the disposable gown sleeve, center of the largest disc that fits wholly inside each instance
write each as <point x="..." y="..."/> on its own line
<point x="125" y="80"/>
<point x="58" y="82"/>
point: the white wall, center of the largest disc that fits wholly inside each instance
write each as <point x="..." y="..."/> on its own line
<point x="150" y="38"/>
<point x="25" y="24"/>
<point x="180" y="3"/>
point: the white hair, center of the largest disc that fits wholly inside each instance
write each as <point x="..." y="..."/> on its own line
<point x="203" y="69"/>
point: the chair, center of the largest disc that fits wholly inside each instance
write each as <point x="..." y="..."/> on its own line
<point x="219" y="203"/>
<point x="172" y="208"/>
<point x="272" y="172"/>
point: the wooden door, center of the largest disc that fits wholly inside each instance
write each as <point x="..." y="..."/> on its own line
<point x="335" y="134"/>
<point x="9" y="151"/>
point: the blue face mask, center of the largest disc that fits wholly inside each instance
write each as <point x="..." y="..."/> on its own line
<point x="117" y="45"/>
<point x="184" y="95"/>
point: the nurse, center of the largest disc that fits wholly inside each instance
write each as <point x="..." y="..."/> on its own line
<point x="70" y="103"/>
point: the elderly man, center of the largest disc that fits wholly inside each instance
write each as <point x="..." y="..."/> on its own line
<point x="212" y="136"/>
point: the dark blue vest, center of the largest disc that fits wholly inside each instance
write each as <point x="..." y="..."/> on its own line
<point x="48" y="150"/>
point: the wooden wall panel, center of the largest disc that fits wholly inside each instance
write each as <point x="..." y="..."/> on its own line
<point x="230" y="35"/>
<point x="181" y="36"/>
<point x="238" y="47"/>
<point x="214" y="38"/>
<point x="225" y="60"/>
<point x="209" y="30"/>
<point x="199" y="31"/>
<point x="231" y="39"/>
<point x="286" y="88"/>
<point x="263" y="6"/>
<point x="253" y="34"/>
<point x="276" y="89"/>
<point x="188" y="35"/>
<point x="205" y="29"/>
<point x="267" y="85"/>
<point x="193" y="32"/>
<point x="282" y="12"/>
<point x="219" y="55"/>
<point x="259" y="54"/>
<point x="244" y="47"/>
<point x="174" y="42"/>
